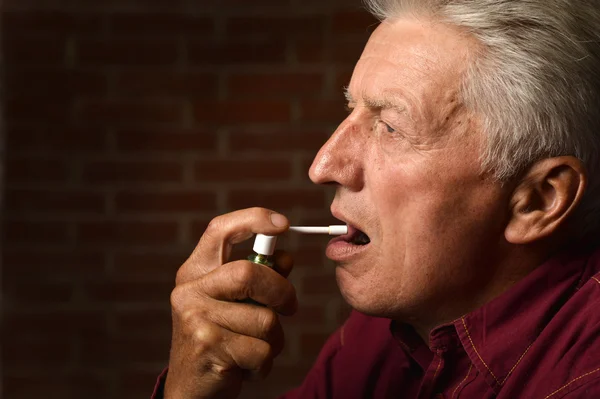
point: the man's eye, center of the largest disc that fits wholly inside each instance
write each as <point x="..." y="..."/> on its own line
<point x="386" y="127"/>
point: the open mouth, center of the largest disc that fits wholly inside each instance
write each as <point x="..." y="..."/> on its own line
<point x="349" y="246"/>
<point x="356" y="236"/>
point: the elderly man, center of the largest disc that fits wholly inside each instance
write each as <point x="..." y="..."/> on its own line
<point x="468" y="169"/>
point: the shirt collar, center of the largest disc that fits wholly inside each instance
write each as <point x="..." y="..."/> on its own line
<point x="412" y="344"/>
<point x="498" y="335"/>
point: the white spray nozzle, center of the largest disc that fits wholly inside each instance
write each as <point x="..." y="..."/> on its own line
<point x="264" y="245"/>
<point x="334" y="230"/>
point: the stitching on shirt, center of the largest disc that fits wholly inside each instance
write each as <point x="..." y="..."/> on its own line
<point x="463" y="381"/>
<point x="476" y="352"/>
<point x="515" y="366"/>
<point x="438" y="366"/>
<point x="570" y="382"/>
<point x="406" y="347"/>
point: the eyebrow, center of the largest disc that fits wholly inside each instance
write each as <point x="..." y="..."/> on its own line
<point x="386" y="103"/>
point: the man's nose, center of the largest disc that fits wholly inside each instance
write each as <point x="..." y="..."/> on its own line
<point x="340" y="159"/>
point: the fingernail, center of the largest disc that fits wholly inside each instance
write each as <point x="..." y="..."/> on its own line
<point x="278" y="220"/>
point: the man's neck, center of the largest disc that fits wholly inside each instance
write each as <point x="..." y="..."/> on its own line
<point x="505" y="274"/>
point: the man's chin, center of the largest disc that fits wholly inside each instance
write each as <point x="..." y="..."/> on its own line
<point x="358" y="295"/>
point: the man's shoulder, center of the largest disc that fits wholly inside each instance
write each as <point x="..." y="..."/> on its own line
<point x="580" y="316"/>
<point x="566" y="355"/>
<point x="574" y="332"/>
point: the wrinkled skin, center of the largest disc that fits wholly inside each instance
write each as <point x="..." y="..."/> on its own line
<point x="218" y="341"/>
<point x="406" y="166"/>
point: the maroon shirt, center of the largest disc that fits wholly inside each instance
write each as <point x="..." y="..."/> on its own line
<point x="538" y="340"/>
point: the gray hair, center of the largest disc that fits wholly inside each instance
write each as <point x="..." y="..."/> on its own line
<point x="535" y="84"/>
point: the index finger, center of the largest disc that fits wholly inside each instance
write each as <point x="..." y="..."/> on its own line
<point x="222" y="233"/>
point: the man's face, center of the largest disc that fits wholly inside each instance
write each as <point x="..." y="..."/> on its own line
<point x="405" y="163"/>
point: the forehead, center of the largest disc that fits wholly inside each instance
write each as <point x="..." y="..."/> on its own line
<point x="418" y="60"/>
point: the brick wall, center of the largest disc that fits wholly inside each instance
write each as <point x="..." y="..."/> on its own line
<point x="130" y="124"/>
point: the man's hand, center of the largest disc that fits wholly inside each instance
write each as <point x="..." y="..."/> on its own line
<point x="218" y="341"/>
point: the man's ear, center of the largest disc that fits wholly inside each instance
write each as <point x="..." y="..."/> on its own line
<point x="544" y="198"/>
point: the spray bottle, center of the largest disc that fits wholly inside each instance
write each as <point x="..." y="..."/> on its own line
<point x="264" y="245"/>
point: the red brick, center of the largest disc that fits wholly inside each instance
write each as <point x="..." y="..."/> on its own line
<point x="165" y="83"/>
<point x="153" y="266"/>
<point x="119" y="113"/>
<point x="33" y="170"/>
<point x="56" y="323"/>
<point x="353" y="22"/>
<point x="342" y="81"/>
<point x="310" y="257"/>
<point x="73" y="385"/>
<point x="127" y="233"/>
<point x="42" y="264"/>
<point x="176" y="141"/>
<point x="171" y="202"/>
<point x="242" y="26"/>
<point x="347" y="51"/>
<point x="160" y="24"/>
<point x="323" y="111"/>
<point x="324" y="284"/>
<point x="277" y="199"/>
<point x="280" y="142"/>
<point x="42" y="293"/>
<point x="282" y="84"/>
<point x="309" y="51"/>
<point x="35" y="232"/>
<point x="50" y="23"/>
<point x="136" y="321"/>
<point x="61" y="82"/>
<point x="199" y="52"/>
<point x="130" y="292"/>
<point x="143" y="52"/>
<point x="133" y="172"/>
<point x="19" y="138"/>
<point x="106" y="5"/>
<point x="124" y="150"/>
<point x="37" y="384"/>
<point x="131" y="351"/>
<point x="19" y="50"/>
<point x="312" y="343"/>
<point x="40" y="110"/>
<point x="307" y="162"/>
<point x="40" y="350"/>
<point x="243" y="112"/>
<point x="271" y="5"/>
<point x="242" y="170"/>
<point x="65" y="202"/>
<point x="56" y="139"/>
<point x="198" y="228"/>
